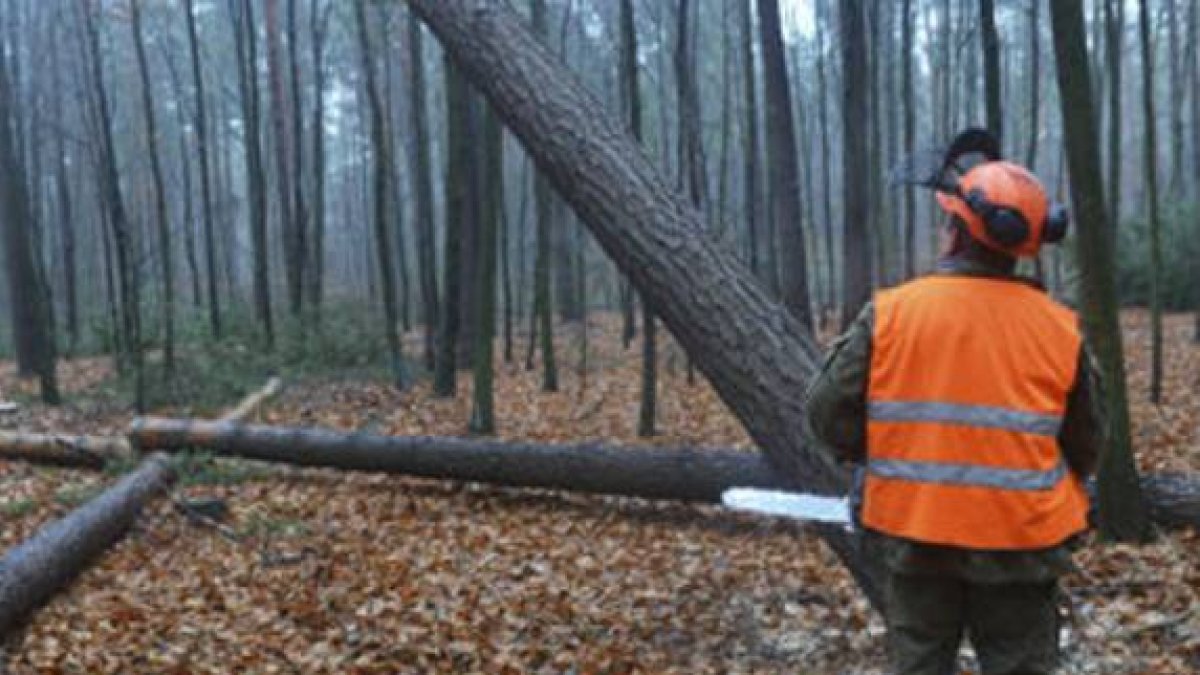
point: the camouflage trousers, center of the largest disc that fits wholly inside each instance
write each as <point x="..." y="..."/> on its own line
<point x="1012" y="626"/>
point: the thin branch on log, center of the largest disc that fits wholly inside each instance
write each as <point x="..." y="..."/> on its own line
<point x="251" y="403"/>
<point x="34" y="571"/>
<point x="87" y="452"/>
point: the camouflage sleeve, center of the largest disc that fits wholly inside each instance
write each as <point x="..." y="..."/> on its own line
<point x="1085" y="426"/>
<point x="837" y="398"/>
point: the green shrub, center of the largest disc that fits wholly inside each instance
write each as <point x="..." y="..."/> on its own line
<point x="1181" y="253"/>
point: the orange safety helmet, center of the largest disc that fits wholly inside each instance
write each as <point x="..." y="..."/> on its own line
<point x="1005" y="208"/>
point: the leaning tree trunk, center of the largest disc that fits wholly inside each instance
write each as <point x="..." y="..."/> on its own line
<point x="757" y="356"/>
<point x="33" y="572"/>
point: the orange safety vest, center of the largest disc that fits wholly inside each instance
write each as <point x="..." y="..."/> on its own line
<point x="968" y="387"/>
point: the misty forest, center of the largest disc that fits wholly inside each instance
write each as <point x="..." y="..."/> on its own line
<point x="426" y="335"/>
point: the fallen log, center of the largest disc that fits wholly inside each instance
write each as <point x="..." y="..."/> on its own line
<point x="252" y="402"/>
<point x="87" y="452"/>
<point x="653" y="473"/>
<point x="34" y="571"/>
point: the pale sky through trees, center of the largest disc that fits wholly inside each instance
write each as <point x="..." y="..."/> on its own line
<point x="797" y="16"/>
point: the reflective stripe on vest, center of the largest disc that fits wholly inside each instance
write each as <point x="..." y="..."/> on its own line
<point x="966" y="415"/>
<point x="945" y="473"/>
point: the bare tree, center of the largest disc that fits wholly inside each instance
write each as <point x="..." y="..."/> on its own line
<point x="166" y="256"/>
<point x="856" y="209"/>
<point x="246" y="45"/>
<point x="383" y="205"/>
<point x="1123" y="512"/>
<point x="31" y="323"/>
<point x="202" y="152"/>
<point x="782" y="168"/>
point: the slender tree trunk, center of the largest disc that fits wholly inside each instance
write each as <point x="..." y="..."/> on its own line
<point x="506" y="286"/>
<point x="856" y="209"/>
<point x="29" y="311"/>
<point x="1035" y="84"/>
<point x="826" y="163"/>
<point x="1150" y="156"/>
<point x="299" y="244"/>
<point x="541" y="273"/>
<point x="246" y="46"/>
<point x="991" y="66"/>
<point x="202" y="150"/>
<point x="292" y="264"/>
<point x="129" y="281"/>
<point x="444" y="383"/>
<point x="1114" y="13"/>
<point x="423" y="190"/>
<point x="910" y="115"/>
<point x="483" y="418"/>
<point x="631" y="111"/>
<point x="1175" y="102"/>
<point x="1194" y="65"/>
<point x="319" y="31"/>
<point x="782" y="164"/>
<point x="166" y="255"/>
<point x="67" y="226"/>
<point x="383" y="204"/>
<point x="751" y="196"/>
<point x="1123" y="513"/>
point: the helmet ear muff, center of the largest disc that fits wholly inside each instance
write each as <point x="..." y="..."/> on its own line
<point x="1058" y="223"/>
<point x="1005" y="226"/>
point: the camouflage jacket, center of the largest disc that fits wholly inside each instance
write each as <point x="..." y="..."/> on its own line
<point x="837" y="405"/>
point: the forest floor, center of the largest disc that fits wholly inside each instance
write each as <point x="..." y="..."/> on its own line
<point x="327" y="572"/>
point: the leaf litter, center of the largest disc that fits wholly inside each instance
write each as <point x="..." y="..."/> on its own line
<point x="354" y="573"/>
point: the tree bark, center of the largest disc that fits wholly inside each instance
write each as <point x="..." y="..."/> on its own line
<point x="445" y="374"/>
<point x="34" y="571"/>
<point x="292" y="262"/>
<point x="383" y="204"/>
<point x="906" y="79"/>
<point x="483" y="415"/>
<point x="1114" y="14"/>
<point x="756" y="355"/>
<point x="202" y="150"/>
<point x="1122" y="506"/>
<point x="423" y="191"/>
<point x="29" y="313"/>
<point x="631" y="110"/>
<point x="543" y="298"/>
<point x="1150" y="158"/>
<point x="298" y="244"/>
<point x="856" y="209"/>
<point x="784" y="174"/>
<point x="166" y="254"/>
<point x="319" y="30"/>
<point x="990" y="40"/>
<point x="245" y="44"/>
<point x="1035" y="82"/>
<point x="751" y="190"/>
